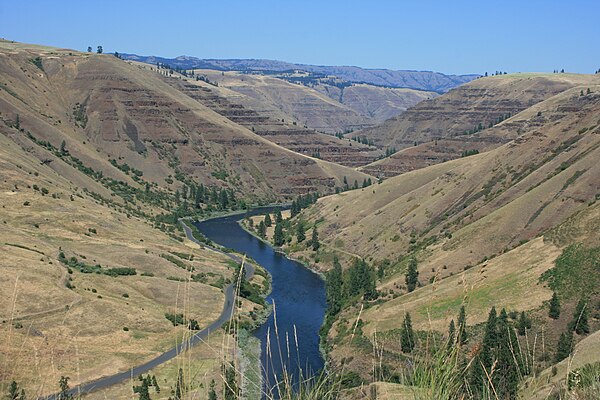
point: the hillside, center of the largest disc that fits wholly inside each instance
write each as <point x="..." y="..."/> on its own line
<point x="378" y="103"/>
<point x="304" y="105"/>
<point x="483" y="230"/>
<point x="106" y="109"/>
<point x="442" y="129"/>
<point x="99" y="158"/>
<point x="100" y="308"/>
<point x="285" y="132"/>
<point x="419" y="80"/>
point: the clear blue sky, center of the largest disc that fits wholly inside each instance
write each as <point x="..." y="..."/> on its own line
<point x="447" y="36"/>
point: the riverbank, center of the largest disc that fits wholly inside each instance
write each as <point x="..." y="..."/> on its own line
<point x="297" y="291"/>
<point x="282" y="251"/>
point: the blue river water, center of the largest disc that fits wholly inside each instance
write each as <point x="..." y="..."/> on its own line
<point x="298" y="296"/>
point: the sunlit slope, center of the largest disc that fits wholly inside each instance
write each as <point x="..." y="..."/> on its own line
<point x="59" y="321"/>
<point x="105" y="108"/>
<point x="472" y="117"/>
<point x="478" y="206"/>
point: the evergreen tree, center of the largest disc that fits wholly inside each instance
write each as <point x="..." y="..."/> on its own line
<point x="507" y="369"/>
<point x="89" y="49"/>
<point x="278" y="216"/>
<point x="580" y="318"/>
<point x="223" y="199"/>
<point x="262" y="229"/>
<point x="462" y="326"/>
<point x="14" y="393"/>
<point x="564" y="346"/>
<point x="143" y="392"/>
<point x="300" y="234"/>
<point x="314" y="242"/>
<point x="451" y="334"/>
<point x="355" y="185"/>
<point x="361" y="280"/>
<point x="523" y="324"/>
<point x="63" y="147"/>
<point x="554" y="311"/>
<point x="179" y="386"/>
<point x="278" y="238"/>
<point x="412" y="274"/>
<point x="231" y="388"/>
<point x="407" y="336"/>
<point x="212" y="394"/>
<point x="294" y="209"/>
<point x="334" y="287"/>
<point x="268" y="222"/>
<point x="483" y="361"/>
<point x="63" y="384"/>
<point x="99" y="50"/>
<point x="155" y="384"/>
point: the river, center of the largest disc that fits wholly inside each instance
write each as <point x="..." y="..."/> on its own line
<point x="297" y="293"/>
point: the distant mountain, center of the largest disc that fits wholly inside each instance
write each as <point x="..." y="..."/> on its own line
<point x="420" y="80"/>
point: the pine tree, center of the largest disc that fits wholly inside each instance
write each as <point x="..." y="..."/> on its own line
<point x="155" y="384"/>
<point x="294" y="209"/>
<point x="14" y="393"/>
<point x="334" y="287"/>
<point x="278" y="216"/>
<point x="482" y="362"/>
<point x="268" y="222"/>
<point x="407" y="336"/>
<point x="144" y="393"/>
<point x="278" y="238"/>
<point x="412" y="275"/>
<point x="507" y="369"/>
<point x="231" y="388"/>
<point x="300" y="234"/>
<point x="212" y="394"/>
<point x="63" y="384"/>
<point x="523" y="324"/>
<point x="462" y="326"/>
<point x="179" y="386"/>
<point x="564" y="346"/>
<point x="262" y="229"/>
<point x="315" y="239"/>
<point x="451" y="334"/>
<point x="580" y="318"/>
<point x="554" y="311"/>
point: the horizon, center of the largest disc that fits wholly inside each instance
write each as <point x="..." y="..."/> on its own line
<point x="454" y="39"/>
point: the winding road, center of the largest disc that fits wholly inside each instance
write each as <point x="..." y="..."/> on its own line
<point x="200" y="336"/>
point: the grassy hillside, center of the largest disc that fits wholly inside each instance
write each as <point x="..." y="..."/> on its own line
<point x="269" y="121"/>
<point x="106" y="109"/>
<point x="305" y="105"/>
<point x="477" y="116"/>
<point x="378" y="103"/>
<point x="76" y="315"/>
<point x="504" y="228"/>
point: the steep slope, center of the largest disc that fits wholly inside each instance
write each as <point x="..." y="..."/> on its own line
<point x="376" y="102"/>
<point x="100" y="308"/>
<point x="505" y="229"/>
<point x="478" y="206"/>
<point x="268" y="121"/>
<point x="305" y="105"/>
<point x="420" y="80"/>
<point x="443" y="128"/>
<point x="106" y="109"/>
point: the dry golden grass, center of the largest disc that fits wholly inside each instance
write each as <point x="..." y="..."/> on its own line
<point x="48" y="330"/>
<point x="509" y="281"/>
